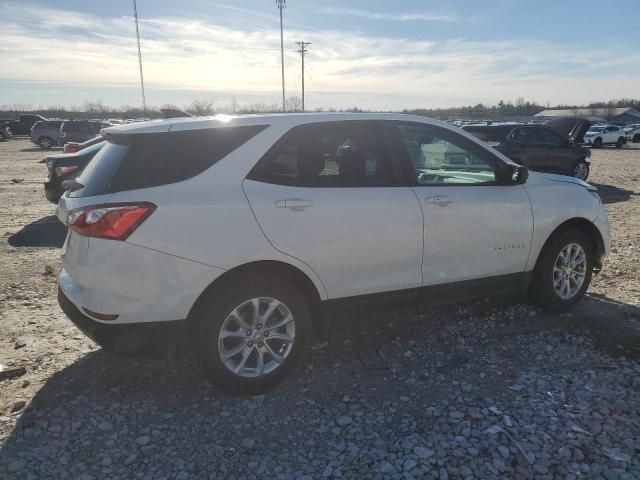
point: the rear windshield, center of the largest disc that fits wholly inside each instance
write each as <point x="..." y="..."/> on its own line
<point x="130" y="162"/>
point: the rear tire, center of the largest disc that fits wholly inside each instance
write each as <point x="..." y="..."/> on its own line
<point x="597" y="143"/>
<point x="581" y="170"/>
<point x="226" y="322"/>
<point x="636" y="138"/>
<point x="45" y="143"/>
<point x="560" y="280"/>
<point x="620" y="143"/>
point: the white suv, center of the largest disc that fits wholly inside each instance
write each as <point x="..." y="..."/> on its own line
<point x="599" y="135"/>
<point x="249" y="230"/>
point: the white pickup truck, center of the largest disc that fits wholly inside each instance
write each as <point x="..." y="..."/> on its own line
<point x="599" y="135"/>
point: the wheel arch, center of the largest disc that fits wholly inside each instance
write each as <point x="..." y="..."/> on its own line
<point x="292" y="274"/>
<point x="585" y="226"/>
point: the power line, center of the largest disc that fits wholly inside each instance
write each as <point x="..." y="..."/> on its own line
<point x="135" y="14"/>
<point x="282" y="4"/>
<point x="302" y="51"/>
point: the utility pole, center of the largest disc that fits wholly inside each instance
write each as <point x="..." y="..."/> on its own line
<point x="302" y="51"/>
<point x="135" y="14"/>
<point x="282" y="4"/>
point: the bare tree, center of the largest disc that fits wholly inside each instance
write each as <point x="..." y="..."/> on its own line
<point x="294" y="104"/>
<point x="201" y="107"/>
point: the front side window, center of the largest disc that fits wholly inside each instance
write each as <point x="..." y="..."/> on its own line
<point x="328" y="154"/>
<point x="441" y="157"/>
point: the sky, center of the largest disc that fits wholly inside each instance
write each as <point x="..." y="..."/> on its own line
<point x="375" y="54"/>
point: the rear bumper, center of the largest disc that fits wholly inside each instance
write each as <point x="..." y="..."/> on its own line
<point x="125" y="339"/>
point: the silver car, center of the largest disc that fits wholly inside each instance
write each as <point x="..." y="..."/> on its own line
<point x="46" y="134"/>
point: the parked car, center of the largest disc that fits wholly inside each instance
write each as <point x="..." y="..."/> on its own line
<point x="46" y="133"/>
<point x="599" y="135"/>
<point x="536" y="147"/>
<point x="245" y="230"/>
<point x="73" y="147"/>
<point x="66" y="166"/>
<point x="80" y="130"/>
<point x="22" y="126"/>
<point x="5" y="133"/>
<point x="632" y="132"/>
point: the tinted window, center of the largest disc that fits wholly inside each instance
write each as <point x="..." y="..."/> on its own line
<point x="129" y="162"/>
<point x="525" y="135"/>
<point x="443" y="157"/>
<point x="552" y="138"/>
<point x="330" y="154"/>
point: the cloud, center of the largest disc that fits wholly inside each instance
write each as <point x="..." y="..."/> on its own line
<point x="399" y="17"/>
<point x="52" y="50"/>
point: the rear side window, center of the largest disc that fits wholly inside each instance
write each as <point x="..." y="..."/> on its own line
<point x="552" y="138"/>
<point x="525" y="135"/>
<point x="329" y="154"/>
<point x="130" y="162"/>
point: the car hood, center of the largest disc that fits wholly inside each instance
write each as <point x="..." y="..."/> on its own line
<point x="566" y="179"/>
<point x="572" y="127"/>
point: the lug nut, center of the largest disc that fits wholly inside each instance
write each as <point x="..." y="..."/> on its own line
<point x="259" y="326"/>
<point x="260" y="344"/>
<point x="250" y="344"/>
<point x="249" y="332"/>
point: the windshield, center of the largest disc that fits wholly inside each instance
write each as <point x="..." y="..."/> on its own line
<point x="595" y="129"/>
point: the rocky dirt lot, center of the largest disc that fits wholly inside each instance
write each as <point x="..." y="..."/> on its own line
<point x="493" y="389"/>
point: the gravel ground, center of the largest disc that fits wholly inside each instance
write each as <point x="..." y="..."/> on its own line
<point x="493" y="389"/>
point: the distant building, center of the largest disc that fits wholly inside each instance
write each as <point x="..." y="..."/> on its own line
<point x="623" y="116"/>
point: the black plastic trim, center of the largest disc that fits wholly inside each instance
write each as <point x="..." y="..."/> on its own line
<point x="432" y="295"/>
<point x="122" y="338"/>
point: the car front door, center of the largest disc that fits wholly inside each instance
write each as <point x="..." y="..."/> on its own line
<point x="329" y="195"/>
<point x="561" y="157"/>
<point x="474" y="228"/>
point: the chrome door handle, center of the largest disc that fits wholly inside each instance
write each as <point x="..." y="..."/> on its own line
<point x="439" y="200"/>
<point x="293" y="204"/>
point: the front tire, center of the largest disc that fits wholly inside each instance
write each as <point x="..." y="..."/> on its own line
<point x="620" y="143"/>
<point x="597" y="143"/>
<point x="581" y="170"/>
<point x="563" y="272"/>
<point x="251" y="333"/>
<point x="45" y="143"/>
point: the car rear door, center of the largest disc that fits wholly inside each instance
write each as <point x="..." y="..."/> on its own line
<point x="473" y="227"/>
<point x="330" y="195"/>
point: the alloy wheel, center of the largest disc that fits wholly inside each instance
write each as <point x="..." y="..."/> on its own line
<point x="581" y="171"/>
<point x="256" y="337"/>
<point x="569" y="271"/>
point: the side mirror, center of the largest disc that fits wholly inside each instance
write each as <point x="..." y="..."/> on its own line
<point x="509" y="174"/>
<point x="521" y="175"/>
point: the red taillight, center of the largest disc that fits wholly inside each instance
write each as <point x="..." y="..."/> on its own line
<point x="60" y="171"/>
<point x="71" y="148"/>
<point x="114" y="221"/>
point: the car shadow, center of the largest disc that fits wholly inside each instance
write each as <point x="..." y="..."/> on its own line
<point x="130" y="411"/>
<point x="613" y="194"/>
<point x="45" y="232"/>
